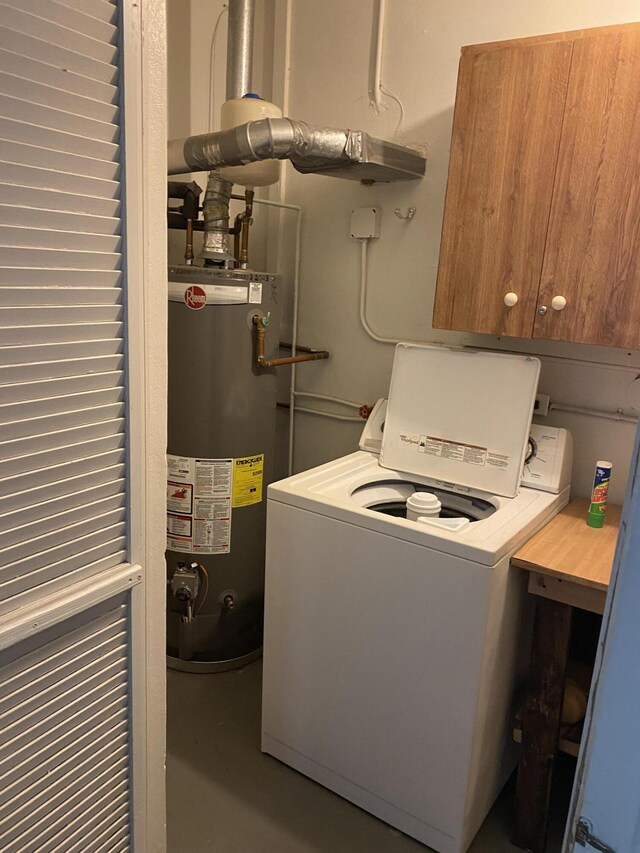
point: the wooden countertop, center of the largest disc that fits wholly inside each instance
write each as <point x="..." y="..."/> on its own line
<point x="567" y="548"/>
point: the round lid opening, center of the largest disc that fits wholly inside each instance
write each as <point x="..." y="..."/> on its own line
<point x="404" y="499"/>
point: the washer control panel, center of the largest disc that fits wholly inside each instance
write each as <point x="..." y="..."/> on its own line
<point x="549" y="458"/>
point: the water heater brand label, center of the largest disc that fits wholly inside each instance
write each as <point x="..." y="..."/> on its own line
<point x="199" y="504"/>
<point x="195" y="297"/>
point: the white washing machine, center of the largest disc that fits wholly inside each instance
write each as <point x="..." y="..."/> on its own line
<point x="392" y="646"/>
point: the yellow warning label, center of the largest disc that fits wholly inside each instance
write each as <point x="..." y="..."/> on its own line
<point x="247" y="480"/>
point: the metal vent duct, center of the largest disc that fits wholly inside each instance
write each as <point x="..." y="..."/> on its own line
<point x="350" y="154"/>
<point x="341" y="153"/>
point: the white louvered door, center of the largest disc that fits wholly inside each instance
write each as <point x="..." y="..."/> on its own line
<point x="64" y="743"/>
<point x="72" y="587"/>
<point x="62" y="379"/>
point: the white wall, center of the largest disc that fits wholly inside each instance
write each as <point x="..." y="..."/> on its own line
<point x="320" y="66"/>
<point x="331" y="47"/>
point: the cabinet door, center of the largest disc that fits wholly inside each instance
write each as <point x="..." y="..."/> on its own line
<point x="506" y="133"/>
<point x="592" y="257"/>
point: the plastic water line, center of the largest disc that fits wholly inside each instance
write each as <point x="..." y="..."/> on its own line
<point x="212" y="56"/>
<point x="339" y="400"/>
<point x="592" y="413"/>
<point x="377" y="68"/>
<point x="364" y="277"/>
<point x="378" y="88"/>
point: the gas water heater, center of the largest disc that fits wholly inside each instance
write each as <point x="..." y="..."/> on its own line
<point x="223" y="343"/>
<point x="222" y="420"/>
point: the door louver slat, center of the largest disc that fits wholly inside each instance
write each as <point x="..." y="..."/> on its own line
<point x="103" y="823"/>
<point x="57" y="799"/>
<point x="29" y="217"/>
<point x="48" y="762"/>
<point x="23" y="154"/>
<point x="76" y="491"/>
<point x="89" y="560"/>
<point x="79" y="43"/>
<point x="59" y="57"/>
<point x="19" y="131"/>
<point x="53" y="441"/>
<point x="103" y="10"/>
<point x="66" y="81"/>
<point x="68" y="478"/>
<point x="66" y="16"/>
<point x="59" y="332"/>
<point x="45" y="94"/>
<point x="18" y="576"/>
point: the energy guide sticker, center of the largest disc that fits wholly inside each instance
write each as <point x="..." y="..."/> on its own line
<point x="199" y="504"/>
<point x="248" y="472"/>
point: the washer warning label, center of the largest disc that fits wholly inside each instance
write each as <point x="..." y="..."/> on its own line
<point x="247" y="480"/>
<point x="199" y="504"/>
<point x="469" y="454"/>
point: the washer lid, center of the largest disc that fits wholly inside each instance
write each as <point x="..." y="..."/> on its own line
<point x="459" y="416"/>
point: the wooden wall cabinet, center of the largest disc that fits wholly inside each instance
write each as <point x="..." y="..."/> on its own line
<point x="541" y="231"/>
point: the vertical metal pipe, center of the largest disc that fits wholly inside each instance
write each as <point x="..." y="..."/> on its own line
<point x="215" y="212"/>
<point x="240" y="47"/>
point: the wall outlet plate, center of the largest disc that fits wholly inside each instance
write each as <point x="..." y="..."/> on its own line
<point x="365" y="223"/>
<point x="541" y="405"/>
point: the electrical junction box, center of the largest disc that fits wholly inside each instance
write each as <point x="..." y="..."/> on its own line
<point x="365" y="223"/>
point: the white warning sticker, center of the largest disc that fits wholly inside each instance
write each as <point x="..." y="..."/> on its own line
<point x="179" y="496"/>
<point x="179" y="525"/>
<point x="199" y="505"/>
<point x="255" y="292"/>
<point x="458" y="451"/>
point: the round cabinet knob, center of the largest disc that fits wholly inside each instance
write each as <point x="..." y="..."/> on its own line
<point x="558" y="303"/>
<point x="510" y="299"/>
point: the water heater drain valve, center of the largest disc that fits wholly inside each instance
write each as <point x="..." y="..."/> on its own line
<point x="185" y="583"/>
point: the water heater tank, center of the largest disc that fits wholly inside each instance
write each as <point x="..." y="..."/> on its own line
<point x="221" y="437"/>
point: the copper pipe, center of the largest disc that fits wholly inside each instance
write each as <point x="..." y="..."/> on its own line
<point x="188" y="250"/>
<point x="261" y="324"/>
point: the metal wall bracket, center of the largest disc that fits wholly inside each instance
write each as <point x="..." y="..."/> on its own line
<point x="584" y="836"/>
<point x="411" y="212"/>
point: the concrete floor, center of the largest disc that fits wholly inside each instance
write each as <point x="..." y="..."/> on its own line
<point x="223" y="794"/>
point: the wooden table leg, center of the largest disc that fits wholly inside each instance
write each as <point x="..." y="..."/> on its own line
<point x="541" y="722"/>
